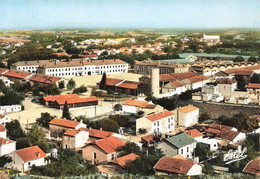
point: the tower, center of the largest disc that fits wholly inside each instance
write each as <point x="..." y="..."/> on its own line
<point x="155" y="82"/>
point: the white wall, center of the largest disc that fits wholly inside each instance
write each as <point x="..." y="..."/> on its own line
<point x="195" y="170"/>
<point x="240" y="137"/>
<point x="3" y="134"/>
<point x="187" y="150"/>
<point x="129" y="109"/>
<point x="4" y="120"/>
<point x="190" y="118"/>
<point x="81" y="139"/>
<point x="9" y="109"/>
<point x="7" y="148"/>
<point x="36" y="162"/>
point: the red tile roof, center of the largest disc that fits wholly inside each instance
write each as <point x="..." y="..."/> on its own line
<point x="128" y="85"/>
<point x="253" y="85"/>
<point x="160" y="115"/>
<point x="112" y="81"/>
<point x="194" y="133"/>
<point x="253" y="167"/>
<point x="70" y="98"/>
<point x="16" y="74"/>
<point x="98" y="133"/>
<point x="44" y="79"/>
<point x="130" y="102"/>
<point x="244" y="73"/>
<point x="184" y="75"/>
<point x="5" y="141"/>
<point x="177" y="84"/>
<point x="167" y="77"/>
<point x="122" y="161"/>
<point x="189" y="108"/>
<point x="88" y="56"/>
<point x="64" y="123"/>
<point x="197" y="79"/>
<point x="222" y="131"/>
<point x="71" y="132"/>
<point x="2" y="129"/>
<point x="148" y="138"/>
<point x="2" y="70"/>
<point x="174" y="164"/>
<point x="226" y="81"/>
<point x="61" y="54"/>
<point x="30" y="153"/>
<point x="109" y="144"/>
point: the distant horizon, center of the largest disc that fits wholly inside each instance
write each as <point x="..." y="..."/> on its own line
<point x="129" y="14"/>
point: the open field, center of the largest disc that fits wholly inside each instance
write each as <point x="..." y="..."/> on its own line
<point x="91" y="80"/>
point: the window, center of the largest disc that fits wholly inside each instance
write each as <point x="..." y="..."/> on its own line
<point x="94" y="155"/>
<point x="169" y="126"/>
<point x="113" y="156"/>
<point x="169" y="120"/>
<point x="154" y="124"/>
<point x="181" y="151"/>
<point x="157" y="123"/>
<point x="187" y="149"/>
<point x="29" y="163"/>
<point x="68" y="138"/>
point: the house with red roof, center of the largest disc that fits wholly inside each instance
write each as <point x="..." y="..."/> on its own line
<point x="133" y="106"/>
<point x="172" y="88"/>
<point x="59" y="126"/>
<point x="186" y="116"/>
<point x="195" y="82"/>
<point x="44" y="79"/>
<point x="176" y="166"/>
<point x="17" y="75"/>
<point x="253" y="167"/>
<point x="95" y="134"/>
<point x="102" y="151"/>
<point x="6" y="146"/>
<point x="162" y="122"/>
<point x="226" y="134"/>
<point x="2" y="131"/>
<point x="25" y="158"/>
<point x="73" y="101"/>
<point x="121" y="162"/>
<point x="75" y="138"/>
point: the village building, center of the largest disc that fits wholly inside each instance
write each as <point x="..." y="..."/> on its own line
<point x="253" y="167"/>
<point x="134" y="106"/>
<point x="25" y="158"/>
<point x="121" y="162"/>
<point x="226" y="86"/>
<point x="180" y="144"/>
<point x="6" y="146"/>
<point x="10" y="108"/>
<point x="176" y="166"/>
<point x="14" y="75"/>
<point x="102" y="151"/>
<point x="144" y="67"/>
<point x="186" y="116"/>
<point x="59" y="126"/>
<point x="73" y="101"/>
<point x="195" y="82"/>
<point x="75" y="139"/>
<point x="228" y="136"/>
<point x="2" y="131"/>
<point x="162" y="122"/>
<point x="4" y="119"/>
<point x="173" y="88"/>
<point x="44" y="79"/>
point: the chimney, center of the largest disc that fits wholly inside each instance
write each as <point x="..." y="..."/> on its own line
<point x="181" y="168"/>
<point x="38" y="154"/>
<point x="101" y="128"/>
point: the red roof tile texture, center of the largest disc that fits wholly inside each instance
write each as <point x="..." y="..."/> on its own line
<point x="184" y="75"/>
<point x="95" y="133"/>
<point x="17" y="74"/>
<point x="177" y="84"/>
<point x="176" y="164"/>
<point x="226" y="81"/>
<point x="44" y="79"/>
<point x="109" y="145"/>
<point x="194" y="133"/>
<point x="160" y="115"/>
<point x="148" y="138"/>
<point x="70" y="98"/>
<point x="197" y="79"/>
<point x="253" y="167"/>
<point x="5" y="141"/>
<point x="167" y="77"/>
<point x="122" y="161"/>
<point x="254" y="85"/>
<point x="71" y="132"/>
<point x="2" y="70"/>
<point x="30" y="153"/>
<point x="129" y="85"/>
<point x="64" y="123"/>
<point x="2" y="129"/>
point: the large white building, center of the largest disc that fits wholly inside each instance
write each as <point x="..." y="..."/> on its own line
<point x="186" y="116"/>
<point x="162" y="122"/>
<point x="74" y="67"/>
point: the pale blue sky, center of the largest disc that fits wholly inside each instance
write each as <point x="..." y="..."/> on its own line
<point x="48" y="14"/>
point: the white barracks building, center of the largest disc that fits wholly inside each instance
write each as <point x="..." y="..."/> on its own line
<point x="74" y="67"/>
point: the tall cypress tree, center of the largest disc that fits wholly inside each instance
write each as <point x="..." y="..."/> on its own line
<point x="66" y="112"/>
<point x="103" y="81"/>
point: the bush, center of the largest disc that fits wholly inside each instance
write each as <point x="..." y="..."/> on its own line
<point x="81" y="89"/>
<point x="142" y="131"/>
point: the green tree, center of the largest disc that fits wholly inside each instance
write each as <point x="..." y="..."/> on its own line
<point x="14" y="130"/>
<point x="23" y="142"/>
<point x="61" y="84"/>
<point x="102" y="84"/>
<point x="11" y="97"/>
<point x="239" y="59"/>
<point x="202" y="151"/>
<point x="208" y="169"/>
<point x="36" y="135"/>
<point x="66" y="112"/>
<point x="130" y="147"/>
<point x="252" y="59"/>
<point x="240" y="82"/>
<point x="255" y="78"/>
<point x="45" y="119"/>
<point x="72" y="83"/>
<point x="5" y="159"/>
